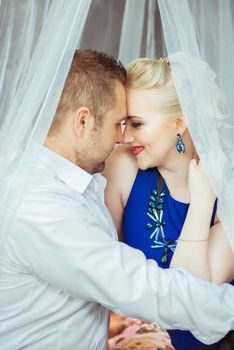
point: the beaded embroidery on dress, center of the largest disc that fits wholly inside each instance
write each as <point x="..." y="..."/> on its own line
<point x="155" y="213"/>
<point x="156" y="225"/>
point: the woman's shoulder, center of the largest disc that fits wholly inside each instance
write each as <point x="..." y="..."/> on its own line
<point x="120" y="172"/>
<point x="120" y="162"/>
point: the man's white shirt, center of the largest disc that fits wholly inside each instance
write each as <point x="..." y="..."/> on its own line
<point x="62" y="269"/>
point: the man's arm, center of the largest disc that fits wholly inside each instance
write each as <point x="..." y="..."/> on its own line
<point x="82" y="259"/>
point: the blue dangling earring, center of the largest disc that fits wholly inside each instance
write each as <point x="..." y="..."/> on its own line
<point x="180" y="146"/>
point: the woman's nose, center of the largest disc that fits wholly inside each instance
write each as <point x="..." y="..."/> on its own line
<point x="127" y="137"/>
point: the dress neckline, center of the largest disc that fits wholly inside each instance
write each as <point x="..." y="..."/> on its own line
<point x="166" y="189"/>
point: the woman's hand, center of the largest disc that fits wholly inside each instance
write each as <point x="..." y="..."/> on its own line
<point x="199" y="185"/>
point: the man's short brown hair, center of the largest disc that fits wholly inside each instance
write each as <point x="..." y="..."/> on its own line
<point x="90" y="82"/>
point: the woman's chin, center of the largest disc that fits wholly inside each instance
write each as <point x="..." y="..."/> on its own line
<point x="142" y="165"/>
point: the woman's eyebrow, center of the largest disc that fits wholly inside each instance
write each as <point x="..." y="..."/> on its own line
<point x="133" y="117"/>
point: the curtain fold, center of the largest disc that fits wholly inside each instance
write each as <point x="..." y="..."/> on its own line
<point x="199" y="40"/>
<point x="126" y="29"/>
<point x="132" y="27"/>
<point x="38" y="40"/>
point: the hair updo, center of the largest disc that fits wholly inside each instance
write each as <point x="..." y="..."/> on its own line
<point x="144" y="73"/>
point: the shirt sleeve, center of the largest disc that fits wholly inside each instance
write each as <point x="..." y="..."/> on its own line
<point x="72" y="250"/>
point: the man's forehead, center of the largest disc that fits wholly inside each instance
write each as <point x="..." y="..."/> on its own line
<point x="122" y="118"/>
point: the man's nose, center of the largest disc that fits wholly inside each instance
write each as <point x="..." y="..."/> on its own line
<point x="119" y="135"/>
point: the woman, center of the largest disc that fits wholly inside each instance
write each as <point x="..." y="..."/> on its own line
<point x="153" y="179"/>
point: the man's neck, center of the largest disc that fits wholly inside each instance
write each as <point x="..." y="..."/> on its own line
<point x="55" y="145"/>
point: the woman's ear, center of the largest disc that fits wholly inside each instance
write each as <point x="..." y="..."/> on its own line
<point x="181" y="125"/>
<point x="83" y="121"/>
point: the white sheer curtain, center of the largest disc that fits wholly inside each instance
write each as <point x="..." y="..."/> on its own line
<point x="200" y="42"/>
<point x="38" y="40"/>
<point x="126" y="29"/>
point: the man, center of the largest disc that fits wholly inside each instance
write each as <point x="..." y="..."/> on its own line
<point x="62" y="267"/>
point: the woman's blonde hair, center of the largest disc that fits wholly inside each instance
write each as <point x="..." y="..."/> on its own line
<point x="144" y="73"/>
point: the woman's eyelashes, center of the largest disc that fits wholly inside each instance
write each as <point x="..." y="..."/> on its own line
<point x="133" y="123"/>
<point x="136" y="124"/>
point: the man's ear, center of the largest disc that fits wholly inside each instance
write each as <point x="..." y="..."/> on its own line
<point x="180" y="125"/>
<point x="83" y="121"/>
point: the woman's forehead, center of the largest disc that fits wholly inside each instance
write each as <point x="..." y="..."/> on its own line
<point x="145" y="98"/>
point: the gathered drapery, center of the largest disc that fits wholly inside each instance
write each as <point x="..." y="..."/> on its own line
<point x="200" y="42"/>
<point x="38" y="39"/>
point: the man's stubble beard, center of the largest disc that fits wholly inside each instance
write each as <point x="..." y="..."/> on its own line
<point x="83" y="161"/>
<point x="88" y="160"/>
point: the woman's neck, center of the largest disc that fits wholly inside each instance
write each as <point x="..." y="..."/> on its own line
<point x="175" y="174"/>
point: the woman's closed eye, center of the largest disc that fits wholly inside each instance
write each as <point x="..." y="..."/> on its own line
<point x="135" y="124"/>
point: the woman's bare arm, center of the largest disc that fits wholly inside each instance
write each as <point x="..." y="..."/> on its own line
<point x="202" y="250"/>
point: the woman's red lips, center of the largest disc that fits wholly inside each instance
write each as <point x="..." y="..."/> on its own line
<point x="137" y="150"/>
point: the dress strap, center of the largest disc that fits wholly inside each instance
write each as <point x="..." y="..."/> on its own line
<point x="159" y="182"/>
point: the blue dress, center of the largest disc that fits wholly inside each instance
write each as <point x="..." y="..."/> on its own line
<point x="155" y="232"/>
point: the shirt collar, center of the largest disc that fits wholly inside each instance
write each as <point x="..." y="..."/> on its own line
<point x="71" y="174"/>
<point x="101" y="180"/>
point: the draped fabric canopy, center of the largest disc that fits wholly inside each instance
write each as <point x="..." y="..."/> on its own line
<point x="38" y="39"/>
<point x="199" y="37"/>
